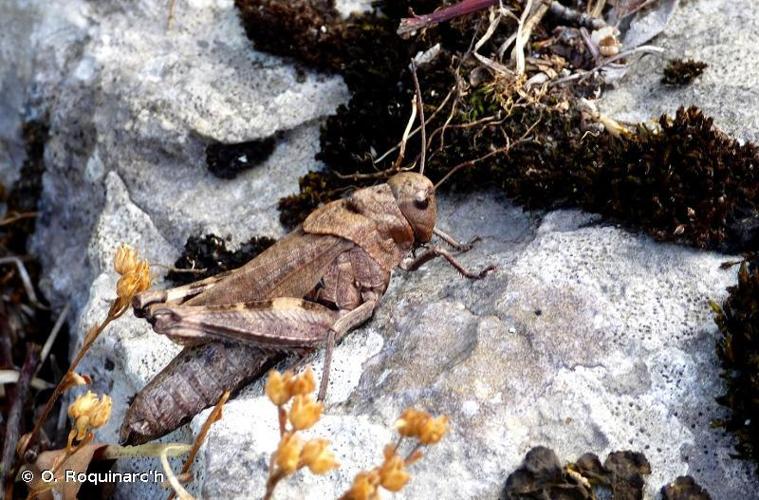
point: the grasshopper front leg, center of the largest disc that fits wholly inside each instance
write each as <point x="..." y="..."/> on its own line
<point x="434" y="252"/>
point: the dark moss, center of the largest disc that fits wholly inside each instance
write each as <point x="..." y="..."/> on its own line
<point x="679" y="180"/>
<point x="209" y="256"/>
<point x="226" y="161"/>
<point x="682" y="72"/>
<point x="738" y="351"/>
<point x="542" y="476"/>
<point x="684" y="488"/>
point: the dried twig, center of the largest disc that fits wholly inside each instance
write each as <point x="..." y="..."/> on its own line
<point x="13" y="424"/>
<point x="25" y="279"/>
<point x="53" y="335"/>
<point x="212" y="417"/>
<point x="420" y="105"/>
<point x="12" y="377"/>
<point x="504" y="149"/>
<point x="170" y="476"/>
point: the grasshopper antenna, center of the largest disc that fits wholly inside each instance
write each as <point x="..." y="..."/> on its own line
<point x="420" y="106"/>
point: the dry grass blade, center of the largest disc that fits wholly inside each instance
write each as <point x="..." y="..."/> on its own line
<point x="214" y="416"/>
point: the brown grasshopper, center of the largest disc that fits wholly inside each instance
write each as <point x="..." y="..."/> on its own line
<point x="307" y="290"/>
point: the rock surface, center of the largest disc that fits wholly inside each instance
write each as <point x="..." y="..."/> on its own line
<point x="587" y="338"/>
<point x="721" y="34"/>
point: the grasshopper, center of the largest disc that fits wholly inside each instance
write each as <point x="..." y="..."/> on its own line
<point x="307" y="290"/>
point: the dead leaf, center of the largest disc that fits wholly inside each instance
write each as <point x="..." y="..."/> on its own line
<point x="47" y="460"/>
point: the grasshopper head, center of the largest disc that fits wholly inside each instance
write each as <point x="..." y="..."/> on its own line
<point x="415" y="195"/>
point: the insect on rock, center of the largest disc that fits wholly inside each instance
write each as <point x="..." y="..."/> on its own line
<point x="306" y="291"/>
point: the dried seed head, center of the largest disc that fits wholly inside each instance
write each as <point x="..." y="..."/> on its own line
<point x="288" y="453"/>
<point x="135" y="275"/>
<point x="304" y="412"/>
<point x="302" y="384"/>
<point x="392" y="473"/>
<point x="318" y="457"/>
<point x="364" y="487"/>
<point x="89" y="413"/>
<point x="433" y="430"/>
<point x="73" y="379"/>
<point x="277" y="387"/>
<point x="125" y="259"/>
<point x="607" y="41"/>
<point x="410" y="422"/>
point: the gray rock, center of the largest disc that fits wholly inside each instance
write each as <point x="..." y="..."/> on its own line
<point x="586" y="338"/>
<point x="721" y="34"/>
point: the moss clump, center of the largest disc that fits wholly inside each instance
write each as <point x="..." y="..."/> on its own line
<point x="684" y="488"/>
<point x="208" y="255"/>
<point x="682" y="72"/>
<point x="679" y="179"/>
<point x="738" y="350"/>
<point x="542" y="476"/>
<point x="227" y="161"/>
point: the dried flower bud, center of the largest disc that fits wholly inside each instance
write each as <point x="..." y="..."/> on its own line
<point x="411" y="421"/>
<point x="392" y="473"/>
<point x="318" y="457"/>
<point x="303" y="383"/>
<point x="364" y="487"/>
<point x="89" y="412"/>
<point x="288" y="453"/>
<point x="276" y="387"/>
<point x="304" y="412"/>
<point x="606" y="40"/>
<point x="73" y="379"/>
<point x="433" y="430"/>
<point x="125" y="259"/>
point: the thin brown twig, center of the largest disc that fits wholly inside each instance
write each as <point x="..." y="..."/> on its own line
<point x="170" y="17"/>
<point x="214" y="416"/>
<point x="116" y="310"/>
<point x="13" y="424"/>
<point x="25" y="279"/>
<point x="15" y="217"/>
<point x="504" y="149"/>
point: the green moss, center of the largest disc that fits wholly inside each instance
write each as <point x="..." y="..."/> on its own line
<point x="738" y="350"/>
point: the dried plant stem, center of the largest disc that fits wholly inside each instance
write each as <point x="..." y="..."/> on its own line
<point x="116" y="310"/>
<point x="410" y="25"/>
<point x="48" y="345"/>
<point x="114" y="451"/>
<point x="12" y="376"/>
<point x="10" y="219"/>
<point x="170" y="17"/>
<point x="212" y="417"/>
<point x="420" y="105"/>
<point x="404" y="139"/>
<point x="171" y="477"/>
<point x="282" y="417"/>
<point x="272" y="481"/>
<point x="25" y="279"/>
<point x="13" y="424"/>
<point x="526" y="25"/>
